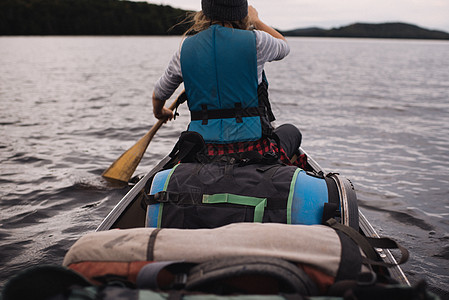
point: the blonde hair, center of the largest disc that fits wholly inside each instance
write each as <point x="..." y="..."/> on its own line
<point x="201" y="22"/>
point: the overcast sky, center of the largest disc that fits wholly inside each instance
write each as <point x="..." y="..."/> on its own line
<point x="291" y="14"/>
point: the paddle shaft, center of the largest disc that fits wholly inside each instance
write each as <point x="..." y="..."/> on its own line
<point x="123" y="168"/>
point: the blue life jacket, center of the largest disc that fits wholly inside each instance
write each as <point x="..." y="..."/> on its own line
<point x="219" y="68"/>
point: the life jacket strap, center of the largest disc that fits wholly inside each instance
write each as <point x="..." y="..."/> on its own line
<point x="237" y="112"/>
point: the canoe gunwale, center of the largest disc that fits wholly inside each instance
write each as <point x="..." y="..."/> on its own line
<point x="123" y="204"/>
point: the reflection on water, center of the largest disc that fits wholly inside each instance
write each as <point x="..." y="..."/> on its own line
<point x="374" y="110"/>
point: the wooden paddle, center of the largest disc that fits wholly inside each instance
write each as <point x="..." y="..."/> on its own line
<point x="123" y="168"/>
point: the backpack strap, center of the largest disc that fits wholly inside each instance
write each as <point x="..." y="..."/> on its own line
<point x="350" y="259"/>
<point x="367" y="244"/>
<point x="190" y="147"/>
<point x="163" y="275"/>
<point x="151" y="242"/>
<point x="240" y="274"/>
<point x="332" y="207"/>
<point x="216" y="274"/>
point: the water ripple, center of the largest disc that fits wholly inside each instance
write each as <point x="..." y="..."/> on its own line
<point x="375" y="111"/>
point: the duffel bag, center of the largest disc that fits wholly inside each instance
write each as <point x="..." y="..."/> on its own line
<point x="197" y="195"/>
<point x="325" y="254"/>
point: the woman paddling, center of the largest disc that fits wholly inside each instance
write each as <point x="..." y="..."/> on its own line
<point x="222" y="70"/>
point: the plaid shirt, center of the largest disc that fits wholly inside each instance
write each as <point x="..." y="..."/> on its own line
<point x="262" y="146"/>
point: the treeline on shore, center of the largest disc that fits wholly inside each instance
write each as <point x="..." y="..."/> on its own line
<point x="366" y="30"/>
<point x="118" y="17"/>
<point x="88" y="17"/>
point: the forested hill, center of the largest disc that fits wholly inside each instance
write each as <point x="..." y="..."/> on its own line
<point x="116" y="17"/>
<point x="88" y="17"/>
<point x="364" y="30"/>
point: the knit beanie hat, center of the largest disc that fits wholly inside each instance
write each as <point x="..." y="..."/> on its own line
<point x="225" y="10"/>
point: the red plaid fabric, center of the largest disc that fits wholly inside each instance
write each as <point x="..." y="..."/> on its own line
<point x="262" y="146"/>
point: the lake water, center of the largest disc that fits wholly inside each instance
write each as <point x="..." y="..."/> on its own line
<point x="376" y="111"/>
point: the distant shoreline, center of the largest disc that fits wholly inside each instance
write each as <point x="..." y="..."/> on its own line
<point x="127" y="18"/>
<point x="368" y="30"/>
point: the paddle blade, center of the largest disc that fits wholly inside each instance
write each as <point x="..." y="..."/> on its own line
<point x="123" y="168"/>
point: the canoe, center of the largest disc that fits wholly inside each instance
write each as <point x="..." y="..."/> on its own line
<point x="128" y="213"/>
<point x="273" y="259"/>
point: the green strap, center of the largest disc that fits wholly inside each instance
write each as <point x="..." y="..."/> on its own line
<point x="258" y="203"/>
<point x="161" y="205"/>
<point x="290" y="196"/>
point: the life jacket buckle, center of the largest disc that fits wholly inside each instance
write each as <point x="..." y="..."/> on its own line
<point x="238" y="112"/>
<point x="204" y="114"/>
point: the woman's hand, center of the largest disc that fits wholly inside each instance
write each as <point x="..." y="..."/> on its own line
<point x="259" y="25"/>
<point x="160" y="111"/>
<point x="165" y="114"/>
<point x="253" y="15"/>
